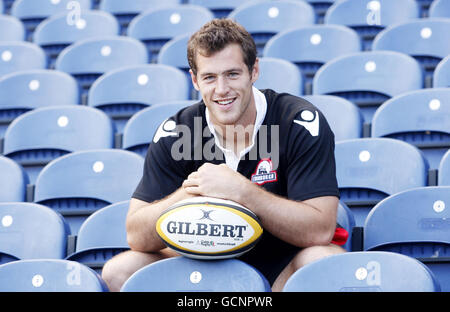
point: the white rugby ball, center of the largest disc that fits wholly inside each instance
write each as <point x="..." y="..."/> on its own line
<point x="209" y="228"/>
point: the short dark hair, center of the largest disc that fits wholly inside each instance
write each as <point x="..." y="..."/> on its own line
<point x="215" y="35"/>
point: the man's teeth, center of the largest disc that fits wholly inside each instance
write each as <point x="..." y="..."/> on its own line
<point x="224" y="102"/>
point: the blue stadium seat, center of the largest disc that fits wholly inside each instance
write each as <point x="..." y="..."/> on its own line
<point x="25" y="90"/>
<point x="11" y="28"/>
<point x="156" y="27"/>
<point x="421" y="118"/>
<point x="49" y="275"/>
<point x="173" y="53"/>
<point x="220" y="8"/>
<point x="125" y="11"/>
<point x="55" y="33"/>
<point x="441" y="76"/>
<point x="1" y="7"/>
<point x="13" y="181"/>
<point x="185" y="274"/>
<point x="101" y="236"/>
<point x="309" y="47"/>
<point x="427" y="40"/>
<point x="440" y="8"/>
<point x="364" y="272"/>
<point x="369" y="17"/>
<point x="88" y="59"/>
<point x="142" y="126"/>
<point x="346" y="220"/>
<point x="79" y="183"/>
<point x="31" y="231"/>
<point x="444" y="170"/>
<point x="41" y="135"/>
<point x="369" y="78"/>
<point x="123" y="92"/>
<point x="371" y="169"/>
<point x="414" y="223"/>
<point x="264" y="18"/>
<point x="344" y="117"/>
<point x="279" y="75"/>
<point x="17" y="55"/>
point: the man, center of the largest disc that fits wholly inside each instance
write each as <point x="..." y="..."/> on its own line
<point x="296" y="203"/>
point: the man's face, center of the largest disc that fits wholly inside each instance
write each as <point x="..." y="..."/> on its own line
<point x="225" y="83"/>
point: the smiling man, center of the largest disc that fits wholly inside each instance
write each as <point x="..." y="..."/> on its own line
<point x="295" y="198"/>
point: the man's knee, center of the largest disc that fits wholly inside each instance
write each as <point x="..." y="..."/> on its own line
<point x="314" y="253"/>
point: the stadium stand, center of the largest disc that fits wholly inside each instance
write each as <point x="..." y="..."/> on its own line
<point x="413" y="223"/>
<point x="17" y="55"/>
<point x="122" y="92"/>
<point x="41" y="135"/>
<point x="31" y="231"/>
<point x="309" y="47"/>
<point x="49" y="275"/>
<point x="13" y="181"/>
<point x="364" y="272"/>
<point x="79" y="183"/>
<point x="220" y="8"/>
<point x="185" y="274"/>
<point x="369" y="78"/>
<point x="421" y="118"/>
<point x="441" y="76"/>
<point x="11" y="28"/>
<point x="444" y="170"/>
<point x="439" y="8"/>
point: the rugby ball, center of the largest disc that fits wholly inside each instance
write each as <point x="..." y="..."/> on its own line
<point x="209" y="228"/>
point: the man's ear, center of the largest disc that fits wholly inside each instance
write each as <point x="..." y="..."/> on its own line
<point x="194" y="80"/>
<point x="255" y="71"/>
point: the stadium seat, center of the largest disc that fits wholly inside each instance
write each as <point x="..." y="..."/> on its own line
<point x="88" y="59"/>
<point x="11" y="28"/>
<point x="31" y="231"/>
<point x="426" y="40"/>
<point x="13" y="181"/>
<point x="220" y="8"/>
<point x="363" y="272"/>
<point x="444" y="170"/>
<point x="370" y="169"/>
<point x="79" y="183"/>
<point x="441" y="76"/>
<point x="279" y="75"/>
<point x="414" y="223"/>
<point x="125" y="11"/>
<point x="346" y="220"/>
<point x="309" y="47"/>
<point x="439" y="8"/>
<point x="185" y="274"/>
<point x="101" y="236"/>
<point x="49" y="275"/>
<point x="25" y="90"/>
<point x="33" y="12"/>
<point x="343" y="116"/>
<point x="421" y="118"/>
<point x="369" y="78"/>
<point x="123" y="92"/>
<point x="156" y="27"/>
<point x="1" y="7"/>
<point x="41" y="135"/>
<point x="264" y="18"/>
<point x="142" y="126"/>
<point x="369" y="17"/>
<point x="17" y="55"/>
<point x="55" y="33"/>
<point x="320" y="8"/>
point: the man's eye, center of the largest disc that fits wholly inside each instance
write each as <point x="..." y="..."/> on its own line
<point x="233" y="75"/>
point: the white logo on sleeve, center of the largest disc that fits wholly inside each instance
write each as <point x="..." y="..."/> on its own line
<point x="165" y="129"/>
<point x="310" y="121"/>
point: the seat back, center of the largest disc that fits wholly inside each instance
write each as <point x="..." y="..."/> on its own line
<point x="441" y="76"/>
<point x="18" y="55"/>
<point x="13" y="181"/>
<point x="279" y="75"/>
<point x="11" y="28"/>
<point x="444" y="170"/>
<point x="439" y="8"/>
<point x="346" y="220"/>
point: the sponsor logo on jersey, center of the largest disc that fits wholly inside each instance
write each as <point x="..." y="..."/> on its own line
<point x="264" y="173"/>
<point x="166" y="129"/>
<point x="310" y="121"/>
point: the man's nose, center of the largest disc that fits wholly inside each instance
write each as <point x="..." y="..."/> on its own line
<point x="222" y="86"/>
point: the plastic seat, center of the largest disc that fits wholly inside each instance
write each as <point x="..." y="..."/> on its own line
<point x="263" y="19"/>
<point x="39" y="136"/>
<point x="31" y="231"/>
<point x="55" y="33"/>
<point x="344" y="117"/>
<point x="49" y="275"/>
<point x="11" y="28"/>
<point x="369" y="17"/>
<point x="419" y="118"/>
<point x="123" y="92"/>
<point x="413" y="223"/>
<point x="13" y="181"/>
<point x="441" y="76"/>
<point x="309" y="47"/>
<point x="184" y="274"/>
<point x="363" y="272"/>
<point x="156" y="27"/>
<point x="371" y="169"/>
<point x="426" y="40"/>
<point x="101" y="236"/>
<point x="369" y="78"/>
<point x="220" y="8"/>
<point x="346" y="220"/>
<point x="79" y="183"/>
<point x="279" y="75"/>
<point x="439" y="8"/>
<point x="444" y="170"/>
<point x="88" y="59"/>
<point x="17" y="55"/>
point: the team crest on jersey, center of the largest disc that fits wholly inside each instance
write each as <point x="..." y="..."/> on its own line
<point x="264" y="172"/>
